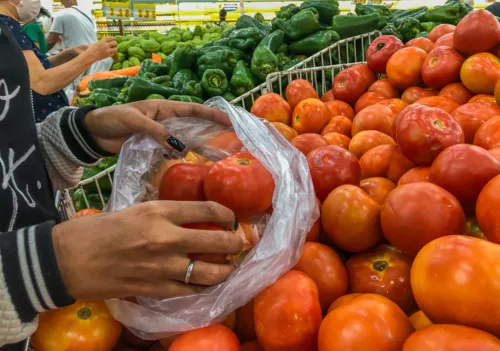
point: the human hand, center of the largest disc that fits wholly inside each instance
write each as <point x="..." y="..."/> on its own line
<point x="142" y="250"/>
<point x="112" y="126"/>
<point x="102" y="49"/>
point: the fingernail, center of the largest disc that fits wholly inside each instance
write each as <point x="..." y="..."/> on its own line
<point x="176" y="143"/>
<point x="236" y="225"/>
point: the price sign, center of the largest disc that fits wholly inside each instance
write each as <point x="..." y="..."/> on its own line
<point x="359" y="1"/>
<point x="144" y="12"/>
<point x="116" y="10"/>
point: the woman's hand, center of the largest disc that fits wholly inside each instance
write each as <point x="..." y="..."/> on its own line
<point x="101" y="50"/>
<point x="112" y="126"/>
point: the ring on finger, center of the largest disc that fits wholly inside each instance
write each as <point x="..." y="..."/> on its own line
<point x="189" y="271"/>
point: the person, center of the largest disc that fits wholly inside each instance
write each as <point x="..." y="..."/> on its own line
<point x="139" y="251"/>
<point x="494" y="8"/>
<point x="49" y="76"/>
<point x="34" y="31"/>
<point x="222" y="15"/>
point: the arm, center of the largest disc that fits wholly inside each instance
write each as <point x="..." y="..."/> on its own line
<point x="62" y="57"/>
<point x="52" y="39"/>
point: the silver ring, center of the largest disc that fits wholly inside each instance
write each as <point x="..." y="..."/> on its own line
<point x="189" y="271"/>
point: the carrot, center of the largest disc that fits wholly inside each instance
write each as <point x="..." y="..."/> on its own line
<point x="155" y="58"/>
<point x="131" y="71"/>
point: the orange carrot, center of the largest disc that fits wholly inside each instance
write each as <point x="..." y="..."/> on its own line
<point x="155" y="58"/>
<point x="131" y="72"/>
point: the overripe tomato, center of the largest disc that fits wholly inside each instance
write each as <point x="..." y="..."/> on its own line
<point x="403" y="68"/>
<point x="86" y="212"/>
<point x="288" y="314"/>
<point x="330" y="167"/>
<point x="251" y="346"/>
<point x="272" y="107"/>
<point x="488" y="134"/>
<point x="480" y="73"/>
<point x="245" y="324"/>
<point x="442" y="67"/>
<point x="351" y="218"/>
<point x="310" y="116"/>
<point x="369" y="322"/>
<point x="211" y="258"/>
<point x="385" y="161"/>
<point x="323" y="265"/>
<point x="227" y="142"/>
<point x="412" y="94"/>
<point x="472" y="116"/>
<point x="440" y="30"/>
<point x="423" y="132"/>
<point x="349" y="85"/>
<point x="366" y="72"/>
<point x="419" y="320"/>
<point x="341" y="108"/>
<point x="368" y="99"/>
<point x="212" y="338"/>
<point x="396" y="105"/>
<point x="375" y="117"/>
<point x="441" y="102"/>
<point x="338" y="124"/>
<point x="367" y="140"/>
<point x="409" y="228"/>
<point x="472" y="229"/>
<point x="343" y="300"/>
<point x="385" y="88"/>
<point x="489" y="99"/>
<point x="183" y="182"/>
<point x="308" y="142"/>
<point x="455" y="280"/>
<point x="377" y="187"/>
<point x="337" y="139"/>
<point x="241" y="183"/>
<point x="382" y="270"/>
<point x="421" y="43"/>
<point x="415" y="175"/>
<point x="488" y="203"/>
<point x="288" y="132"/>
<point x="479" y="31"/>
<point x="445" y="40"/>
<point x="298" y="90"/>
<point x="84" y="325"/>
<point x="456" y="92"/>
<point x="381" y="50"/>
<point x="328" y="96"/>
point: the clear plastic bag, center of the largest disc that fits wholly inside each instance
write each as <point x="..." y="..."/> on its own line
<point x="294" y="212"/>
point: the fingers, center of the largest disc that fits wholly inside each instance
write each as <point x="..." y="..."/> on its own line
<point x="188" y="212"/>
<point x="167" y="289"/>
<point x="203" y="273"/>
<point x="140" y="123"/>
<point x="208" y="241"/>
<point x="185" y="109"/>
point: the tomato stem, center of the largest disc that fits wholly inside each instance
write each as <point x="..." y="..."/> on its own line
<point x="380" y="265"/>
<point x="84" y="313"/>
<point x="437" y="123"/>
<point x="243" y="162"/>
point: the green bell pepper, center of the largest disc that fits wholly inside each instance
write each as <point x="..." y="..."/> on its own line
<point x="391" y="29"/>
<point x="140" y="89"/>
<point x="326" y="9"/>
<point x="314" y="42"/>
<point x="263" y="63"/>
<point x="111" y="92"/>
<point x="249" y="22"/>
<point x="450" y="13"/>
<point x="155" y="97"/>
<point x="362" y="10"/>
<point x="165" y="81"/>
<point x="282" y="59"/>
<point x="242" y="79"/>
<point x="291" y="64"/>
<point x="428" y="26"/>
<point x="240" y="55"/>
<point x="93" y="200"/>
<point x="418" y="14"/>
<point x="409" y="28"/>
<point x="422" y="35"/>
<point x="273" y="41"/>
<point x="224" y="59"/>
<point x="110" y="83"/>
<point x="286" y="12"/>
<point x="102" y="100"/>
<point x="214" y="82"/>
<point x="350" y="26"/>
<point x="299" y="25"/>
<point x="193" y="88"/>
<point x="184" y="57"/>
<point x="220" y="42"/>
<point x="245" y="39"/>
<point x="180" y="79"/>
<point x="186" y="98"/>
<point x="259" y="17"/>
<point x="228" y="96"/>
<point x="283" y="49"/>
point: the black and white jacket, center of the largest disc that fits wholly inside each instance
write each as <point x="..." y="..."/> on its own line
<point x="35" y="160"/>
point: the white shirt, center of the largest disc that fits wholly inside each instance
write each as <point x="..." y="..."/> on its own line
<point x="75" y="27"/>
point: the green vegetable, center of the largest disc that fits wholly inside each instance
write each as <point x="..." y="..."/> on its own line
<point x="282" y="59"/>
<point x="391" y="29"/>
<point x="116" y="66"/>
<point x="180" y="79"/>
<point x="93" y="200"/>
<point x="125" y="45"/>
<point x="362" y="10"/>
<point x="259" y="17"/>
<point x="314" y="42"/>
<point x="119" y="57"/>
<point x="110" y="92"/>
<point x="140" y="89"/>
<point x="242" y="79"/>
<point x="245" y="39"/>
<point x="238" y="53"/>
<point x="428" y="26"/>
<point x="155" y="97"/>
<point x="326" y="9"/>
<point x="134" y="61"/>
<point x="299" y="26"/>
<point x="187" y="35"/>
<point x="198" y="31"/>
<point x="422" y="35"/>
<point x="166" y="81"/>
<point x="167" y="47"/>
<point x="158" y="69"/>
<point x="292" y="63"/>
<point x="409" y="28"/>
<point x="184" y="57"/>
<point x="248" y="22"/>
<point x="214" y="82"/>
<point x="220" y="42"/>
<point x="450" y="13"/>
<point x="417" y="13"/>
<point x="193" y="88"/>
<point x="119" y="38"/>
<point x="226" y="32"/>
<point x="273" y="41"/>
<point x="145" y="67"/>
<point x="223" y="59"/>
<point x="283" y="49"/>
<point x="135" y="51"/>
<point x="149" y="45"/>
<point x="263" y="62"/>
<point x="174" y="37"/>
<point x="186" y="98"/>
<point x="350" y="26"/>
<point x="102" y="100"/>
<point x="286" y="12"/>
<point x="228" y="96"/>
<point x="162" y="56"/>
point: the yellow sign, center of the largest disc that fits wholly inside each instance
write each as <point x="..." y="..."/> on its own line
<point x="144" y="12"/>
<point x="116" y="10"/>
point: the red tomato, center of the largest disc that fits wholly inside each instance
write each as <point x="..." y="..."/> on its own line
<point x="310" y="116"/>
<point x="328" y="96"/>
<point x="496" y="91"/>
<point x="495" y="152"/>
<point x="288" y="314"/>
<point x="213" y="338"/>
<point x="369" y="322"/>
<point x="308" y="142"/>
<point x="288" y="132"/>
<point x="403" y="68"/>
<point x="381" y="50"/>
<point x="251" y="346"/>
<point x="445" y="40"/>
<point x="488" y="203"/>
<point x="298" y="90"/>
<point x="313" y="234"/>
<point x="455" y="279"/>
<point x="351" y="218"/>
<point x="367" y="140"/>
<point x="479" y="31"/>
<point x="442" y="67"/>
<point x="378" y="188"/>
<point x="272" y="107"/>
<point x="472" y="116"/>
<point x="485" y="98"/>
<point x="385" y="88"/>
<point x="183" y="182"/>
<point x="241" y="183"/>
<point x="419" y="320"/>
<point x="443" y="103"/>
<point x="413" y="94"/>
<point x="375" y="117"/>
<point x="86" y="212"/>
<point x="396" y="105"/>
<point x="366" y="72"/>
<point x="82" y="326"/>
<point x="409" y="228"/>
<point x="480" y="73"/>
<point x="340" y="108"/>
<point x="382" y="270"/>
<point x="323" y="265"/>
<point x="456" y="92"/>
<point x="349" y="85"/>
<point x="330" y="167"/>
<point x="245" y="325"/>
<point x="337" y="139"/>
<point x="421" y="43"/>
<point x="384" y="161"/>
<point x="423" y="132"/>
<point x="343" y="300"/>
<point x="440" y="30"/>
<point x="368" y="99"/>
<point x="227" y="142"/>
<point x="338" y="124"/>
<point x="488" y="134"/>
<point x="415" y="175"/>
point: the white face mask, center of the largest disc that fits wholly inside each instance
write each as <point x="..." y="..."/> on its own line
<point x="28" y="10"/>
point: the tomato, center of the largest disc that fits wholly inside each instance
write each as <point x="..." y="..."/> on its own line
<point x="489" y="99"/>
<point x="487" y="210"/>
<point x="323" y="265"/>
<point x="337" y="139"/>
<point x="419" y="320"/>
<point x="230" y="321"/>
<point x="288" y="132"/>
<point x="298" y="90"/>
<point x="382" y="270"/>
<point x="409" y="228"/>
<point x="479" y="31"/>
<point x="403" y="68"/>
<point x="367" y="140"/>
<point x="84" y="325"/>
<point x="396" y="105"/>
<point x="488" y="134"/>
<point x="380" y="51"/>
<point x="351" y="218"/>
<point x="385" y="88"/>
<point x="338" y="124"/>
<point x="132" y="340"/>
<point x="328" y="96"/>
<point x="272" y="107"/>
<point x="183" y="182"/>
<point x="496" y="92"/>
<point x="443" y="103"/>
<point x="313" y="234"/>
<point x="349" y="85"/>
<point x="495" y="152"/>
<point x="412" y="94"/>
<point x="415" y="175"/>
<point x="251" y="346"/>
<point x="341" y="108"/>
<point x="288" y="314"/>
<point x="456" y="92"/>
<point x="86" y="212"/>
<point x="245" y="325"/>
<point x="330" y="167"/>
<point x="212" y="338"/>
<point x="472" y="116"/>
<point x="480" y="73"/>
<point x="378" y="188"/>
<point x="157" y="347"/>
<point x="421" y="43"/>
<point x="440" y="30"/>
<point x="308" y="142"/>
<point x="343" y="300"/>
<point x="385" y="161"/>
<point x="227" y="142"/>
<point x="446" y="40"/>
<point x="368" y="99"/>
<point x="442" y="67"/>
<point x="310" y="116"/>
<point x="423" y="132"/>
<point x="241" y="183"/>
<point x="369" y="322"/>
<point x="472" y="229"/>
<point x="366" y="72"/>
<point x="455" y="279"/>
<point x="375" y="117"/>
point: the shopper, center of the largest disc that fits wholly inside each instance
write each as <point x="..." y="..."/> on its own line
<point x="34" y="31"/>
<point x="494" y="9"/>
<point x="222" y="15"/>
<point x="138" y="251"/>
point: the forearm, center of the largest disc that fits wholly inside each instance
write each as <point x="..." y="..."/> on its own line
<point x="62" y="57"/>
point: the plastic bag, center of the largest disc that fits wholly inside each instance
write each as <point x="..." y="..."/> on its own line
<point x="294" y="212"/>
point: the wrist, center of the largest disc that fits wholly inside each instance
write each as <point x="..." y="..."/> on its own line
<point x="87" y="58"/>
